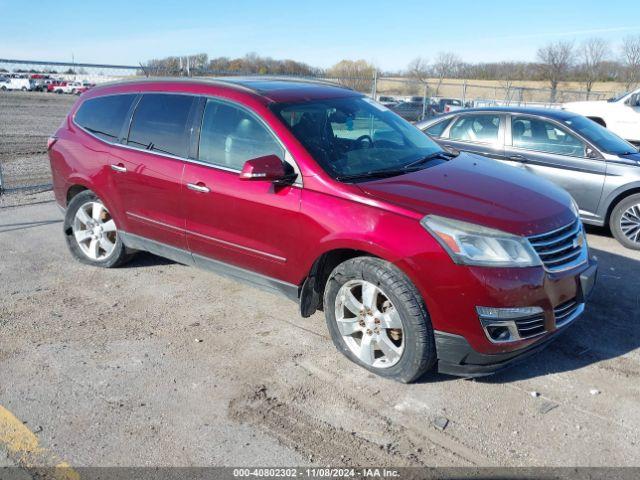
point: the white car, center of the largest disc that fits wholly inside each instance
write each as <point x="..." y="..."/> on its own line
<point x="621" y="114"/>
<point x="70" y="87"/>
<point x="16" y="84"/>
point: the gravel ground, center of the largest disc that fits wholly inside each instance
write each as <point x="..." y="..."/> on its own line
<point x="26" y="120"/>
<point x="157" y="363"/>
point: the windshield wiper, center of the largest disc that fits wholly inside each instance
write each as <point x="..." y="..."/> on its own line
<point x="432" y="156"/>
<point x="373" y="174"/>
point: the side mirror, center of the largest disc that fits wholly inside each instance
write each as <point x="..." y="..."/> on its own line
<point x="591" y="153"/>
<point x="268" y="168"/>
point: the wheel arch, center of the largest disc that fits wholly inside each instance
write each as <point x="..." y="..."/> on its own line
<point x="74" y="190"/>
<point x="312" y="290"/>
<point x="617" y="197"/>
<point x="598" y="120"/>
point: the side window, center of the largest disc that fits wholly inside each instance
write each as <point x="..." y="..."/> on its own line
<point x="160" y="123"/>
<point x="476" y="128"/>
<point x="543" y="136"/>
<point x="363" y="124"/>
<point x="437" y="129"/>
<point x="104" y="116"/>
<point x="230" y="136"/>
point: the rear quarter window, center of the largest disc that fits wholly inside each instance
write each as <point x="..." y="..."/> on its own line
<point x="104" y="116"/>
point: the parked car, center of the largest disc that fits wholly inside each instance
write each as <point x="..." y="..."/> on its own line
<point x="446" y="105"/>
<point x="55" y="83"/>
<point x="621" y="114"/>
<point x="69" y="87"/>
<point x="419" y="260"/>
<point x="22" y="84"/>
<point x="412" y="111"/>
<point x="387" y="101"/>
<point x="599" y="169"/>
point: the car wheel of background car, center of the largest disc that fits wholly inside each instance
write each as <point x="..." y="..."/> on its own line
<point x="91" y="232"/>
<point x="378" y="319"/>
<point x="24" y="89"/>
<point x="625" y="222"/>
<point x="4" y="89"/>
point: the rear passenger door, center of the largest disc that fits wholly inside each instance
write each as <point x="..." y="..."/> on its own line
<point x="548" y="149"/>
<point x="150" y="171"/>
<point x="481" y="133"/>
<point x="249" y="224"/>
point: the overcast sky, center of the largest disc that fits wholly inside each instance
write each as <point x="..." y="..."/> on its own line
<point x="319" y="32"/>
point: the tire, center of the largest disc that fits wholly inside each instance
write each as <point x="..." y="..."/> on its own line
<point x="24" y="89"/>
<point x="395" y="300"/>
<point x="625" y="222"/>
<point x="97" y="247"/>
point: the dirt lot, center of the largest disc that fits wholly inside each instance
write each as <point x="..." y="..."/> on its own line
<point x="26" y="120"/>
<point x="157" y="363"/>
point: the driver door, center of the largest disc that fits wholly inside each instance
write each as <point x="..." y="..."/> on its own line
<point x="248" y="224"/>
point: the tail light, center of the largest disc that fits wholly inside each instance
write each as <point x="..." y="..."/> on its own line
<point x="51" y="142"/>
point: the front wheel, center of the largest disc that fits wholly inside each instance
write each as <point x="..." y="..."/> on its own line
<point x="378" y="319"/>
<point x="625" y="222"/>
<point x="91" y="233"/>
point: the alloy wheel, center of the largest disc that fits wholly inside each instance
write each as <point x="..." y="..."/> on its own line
<point x="95" y="231"/>
<point x="630" y="223"/>
<point x="369" y="324"/>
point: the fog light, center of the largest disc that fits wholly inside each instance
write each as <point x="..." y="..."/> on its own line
<point x="499" y="324"/>
<point x="499" y="334"/>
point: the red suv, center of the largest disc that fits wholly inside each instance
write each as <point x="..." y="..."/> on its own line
<point x="419" y="260"/>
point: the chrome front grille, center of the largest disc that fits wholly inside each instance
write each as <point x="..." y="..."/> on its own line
<point x="561" y="249"/>
<point x="566" y="312"/>
<point x="530" y="326"/>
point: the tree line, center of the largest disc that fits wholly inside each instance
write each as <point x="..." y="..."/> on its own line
<point x="588" y="62"/>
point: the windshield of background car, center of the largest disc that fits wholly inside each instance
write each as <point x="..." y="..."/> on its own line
<point x="355" y="135"/>
<point x="602" y="138"/>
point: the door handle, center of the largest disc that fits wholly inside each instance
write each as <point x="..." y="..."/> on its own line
<point x="198" y="187"/>
<point x="518" y="158"/>
<point x="119" y="168"/>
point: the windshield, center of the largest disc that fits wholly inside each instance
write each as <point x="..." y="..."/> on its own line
<point x="356" y="136"/>
<point x="602" y="138"/>
<point x="618" y="97"/>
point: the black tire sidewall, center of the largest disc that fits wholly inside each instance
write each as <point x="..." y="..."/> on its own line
<point x="119" y="255"/>
<point x="419" y="353"/>
<point x="614" y="221"/>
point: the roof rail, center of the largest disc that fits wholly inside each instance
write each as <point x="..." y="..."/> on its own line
<point x="209" y="80"/>
<point x="284" y="78"/>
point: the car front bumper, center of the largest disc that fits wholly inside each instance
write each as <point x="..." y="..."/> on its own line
<point x="457" y="357"/>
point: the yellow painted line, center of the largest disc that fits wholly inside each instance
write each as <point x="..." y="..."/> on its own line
<point x="24" y="448"/>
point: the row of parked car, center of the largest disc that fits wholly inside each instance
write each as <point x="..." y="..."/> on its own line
<point x="41" y="84"/>
<point x="415" y="109"/>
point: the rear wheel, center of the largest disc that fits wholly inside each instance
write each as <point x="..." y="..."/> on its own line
<point x="378" y="319"/>
<point x="625" y="222"/>
<point x="92" y="234"/>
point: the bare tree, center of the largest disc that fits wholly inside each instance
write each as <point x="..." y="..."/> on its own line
<point x="418" y="68"/>
<point x="555" y="61"/>
<point x="446" y="65"/>
<point x="593" y="54"/>
<point x="356" y="74"/>
<point x="631" y="60"/>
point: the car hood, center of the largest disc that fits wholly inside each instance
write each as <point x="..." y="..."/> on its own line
<point x="481" y="191"/>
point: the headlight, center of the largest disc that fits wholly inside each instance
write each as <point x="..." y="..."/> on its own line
<point x="471" y="244"/>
